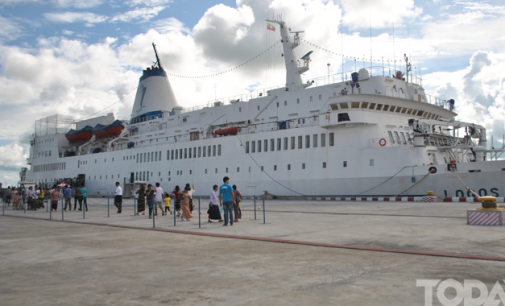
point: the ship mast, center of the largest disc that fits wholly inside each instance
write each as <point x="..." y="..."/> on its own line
<point x="294" y="69"/>
<point x="158" y="63"/>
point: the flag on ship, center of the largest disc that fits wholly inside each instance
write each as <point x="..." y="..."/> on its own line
<point x="270" y="27"/>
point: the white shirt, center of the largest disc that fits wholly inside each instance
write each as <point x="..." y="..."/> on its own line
<point x="214" y="200"/>
<point x="119" y="191"/>
<point x="158" y="194"/>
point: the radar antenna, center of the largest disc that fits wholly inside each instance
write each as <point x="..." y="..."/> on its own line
<point x="158" y="63"/>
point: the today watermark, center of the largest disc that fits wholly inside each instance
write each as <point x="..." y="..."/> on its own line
<point x="469" y="293"/>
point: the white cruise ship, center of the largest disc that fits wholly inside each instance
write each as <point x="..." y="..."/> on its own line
<point x="368" y="135"/>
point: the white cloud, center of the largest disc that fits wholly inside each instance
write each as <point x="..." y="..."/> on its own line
<point x="141" y="14"/>
<point x="71" y="17"/>
<point x="67" y="32"/>
<point x="78" y="3"/>
<point x="10" y="29"/>
<point x="148" y="2"/>
<point x="169" y="25"/>
<point x="12" y="157"/>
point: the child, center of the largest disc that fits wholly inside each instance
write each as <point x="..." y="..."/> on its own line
<point x="167" y="203"/>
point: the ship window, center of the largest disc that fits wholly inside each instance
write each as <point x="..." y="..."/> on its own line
<point x="272" y="144"/>
<point x="259" y="146"/>
<point x="332" y="139"/>
<point x="176" y="154"/>
<point x="403" y="138"/>
<point x="297" y="101"/>
<point x="386" y="107"/>
<point x="49" y="153"/>
<point x="300" y="140"/>
<point x="262" y="168"/>
<point x="392" y="109"/>
<point x="159" y="156"/>
<point x="344" y="105"/>
<point x="345" y="164"/>
<point x="303" y="166"/>
<point x="420" y="113"/>
<point x="147" y="175"/>
<point x="145" y="157"/>
<point x="216" y="170"/>
<point x="240" y="109"/>
<point x="354" y="104"/>
<point x="371" y="162"/>
<point x="258" y="107"/>
<point x="397" y="137"/>
<point x="409" y="111"/>
<point x="324" y="165"/>
<point x="372" y="106"/>
<point x="246" y="148"/>
<point x="323" y="140"/>
<point x="265" y="145"/>
<point x="137" y="158"/>
<point x="156" y="156"/>
<point x="180" y="153"/>
<point x="214" y="150"/>
<point x="249" y="168"/>
<point x="285" y="103"/>
<point x="404" y="110"/>
<point x="218" y="150"/>
<point x="334" y="106"/>
<point x="285" y="143"/>
<point x="275" y="167"/>
<point x="95" y="161"/>
<point x="194" y="152"/>
<point x="423" y="116"/>
<point x="391" y="137"/>
<point x="311" y="99"/>
<point x="226" y="170"/>
<point x="208" y="151"/>
<point x="205" y="171"/>
<point x="314" y="140"/>
<point x="185" y="153"/>
<point x="398" y="109"/>
<point x="238" y="169"/>
<point x="94" y="177"/>
<point x="289" y="166"/>
<point x="123" y="158"/>
<point x="277" y="104"/>
<point x="159" y="173"/>
<point x="253" y="146"/>
<point x="343" y="117"/>
<point x="189" y="154"/>
<point x="203" y="151"/>
<point x="364" y="105"/>
<point x="278" y="144"/>
<point x="168" y="154"/>
<point x="307" y="141"/>
<point x="184" y="119"/>
<point x="199" y="151"/>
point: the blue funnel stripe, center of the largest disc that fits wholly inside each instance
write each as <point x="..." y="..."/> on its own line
<point x="153" y="73"/>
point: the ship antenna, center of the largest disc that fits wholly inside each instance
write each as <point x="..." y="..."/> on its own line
<point x="158" y="63"/>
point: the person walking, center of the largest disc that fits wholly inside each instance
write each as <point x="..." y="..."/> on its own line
<point x="55" y="195"/>
<point x="227" y="200"/>
<point x="177" y="198"/>
<point x="41" y="196"/>
<point x="213" y="211"/>
<point x="118" y="200"/>
<point x="158" y="199"/>
<point x="141" y="200"/>
<point x="150" y="200"/>
<point x="15" y="199"/>
<point x="83" y="198"/>
<point x="7" y="196"/>
<point x="236" y="207"/>
<point x="23" y="195"/>
<point x="190" y="192"/>
<point x="67" y="194"/>
<point x="77" y="194"/>
<point x="32" y="198"/>
<point x="185" y="204"/>
<point x="167" y="203"/>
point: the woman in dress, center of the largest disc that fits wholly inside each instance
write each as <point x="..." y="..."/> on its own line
<point x="213" y="211"/>
<point x="55" y="196"/>
<point x="15" y="199"/>
<point x="236" y="207"/>
<point x="150" y="200"/>
<point x="185" y="197"/>
<point x="176" y="193"/>
<point x="141" y="200"/>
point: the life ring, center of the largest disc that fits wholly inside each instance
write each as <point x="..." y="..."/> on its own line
<point x="432" y="170"/>
<point x="382" y="142"/>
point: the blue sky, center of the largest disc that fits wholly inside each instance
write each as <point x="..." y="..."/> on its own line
<point x="75" y="57"/>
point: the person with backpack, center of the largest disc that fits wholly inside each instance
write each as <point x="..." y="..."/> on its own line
<point x="84" y="195"/>
<point x="77" y="197"/>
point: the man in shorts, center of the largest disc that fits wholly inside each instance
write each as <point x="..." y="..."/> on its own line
<point x="227" y="200"/>
<point x="158" y="199"/>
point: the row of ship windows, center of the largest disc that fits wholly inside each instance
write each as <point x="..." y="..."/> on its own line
<point x="402" y="140"/>
<point x="256" y="146"/>
<point x="44" y="141"/>
<point x="50" y="167"/>
<point x="385" y="108"/>
<point x="42" y="154"/>
<point x="205" y="151"/>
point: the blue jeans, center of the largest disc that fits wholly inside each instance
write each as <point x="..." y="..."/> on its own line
<point x="150" y="204"/>
<point x="228" y="209"/>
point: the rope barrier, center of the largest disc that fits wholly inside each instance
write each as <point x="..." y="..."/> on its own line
<point x="225" y="71"/>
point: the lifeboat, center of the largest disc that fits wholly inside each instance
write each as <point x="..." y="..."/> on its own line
<point x="81" y="135"/>
<point x="225" y="132"/>
<point x="107" y="131"/>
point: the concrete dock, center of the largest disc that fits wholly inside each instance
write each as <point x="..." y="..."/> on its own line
<point x="330" y="253"/>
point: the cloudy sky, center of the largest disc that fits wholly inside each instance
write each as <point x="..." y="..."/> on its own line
<point x="76" y="57"/>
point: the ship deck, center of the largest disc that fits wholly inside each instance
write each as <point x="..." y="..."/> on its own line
<point x="331" y="253"/>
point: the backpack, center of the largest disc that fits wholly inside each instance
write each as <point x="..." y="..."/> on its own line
<point x="78" y="193"/>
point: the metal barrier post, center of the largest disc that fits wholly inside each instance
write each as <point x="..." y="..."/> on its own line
<point x="24" y="207"/>
<point x="47" y="206"/>
<point x="263" y="210"/>
<point x="134" y="206"/>
<point x="254" y="207"/>
<point x="3" y="207"/>
<point x="84" y="210"/>
<point x="199" y="215"/>
<point x="62" y="211"/>
<point x="108" y="212"/>
<point x="50" y="212"/>
<point x="154" y="224"/>
<point x="175" y="213"/>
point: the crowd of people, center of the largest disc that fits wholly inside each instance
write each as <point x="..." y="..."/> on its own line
<point x="223" y="199"/>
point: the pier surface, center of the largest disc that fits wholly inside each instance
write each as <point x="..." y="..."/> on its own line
<point x="330" y="253"/>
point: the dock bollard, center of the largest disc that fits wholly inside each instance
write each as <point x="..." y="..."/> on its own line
<point x="199" y="215"/>
<point x="108" y="212"/>
<point x="254" y="207"/>
<point x="263" y="210"/>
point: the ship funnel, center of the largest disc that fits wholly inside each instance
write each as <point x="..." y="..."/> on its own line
<point x="154" y="94"/>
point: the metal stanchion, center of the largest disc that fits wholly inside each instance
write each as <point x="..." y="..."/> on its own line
<point x="199" y="215"/>
<point x="263" y="210"/>
<point x="108" y="212"/>
<point x="175" y="213"/>
<point x="84" y="210"/>
<point x="24" y="207"/>
<point x="3" y="207"/>
<point x="62" y="211"/>
<point x="134" y="206"/>
<point x="50" y="212"/>
<point x="254" y="207"/>
<point x="154" y="223"/>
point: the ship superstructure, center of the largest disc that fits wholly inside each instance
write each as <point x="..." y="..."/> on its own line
<point x="367" y="135"/>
